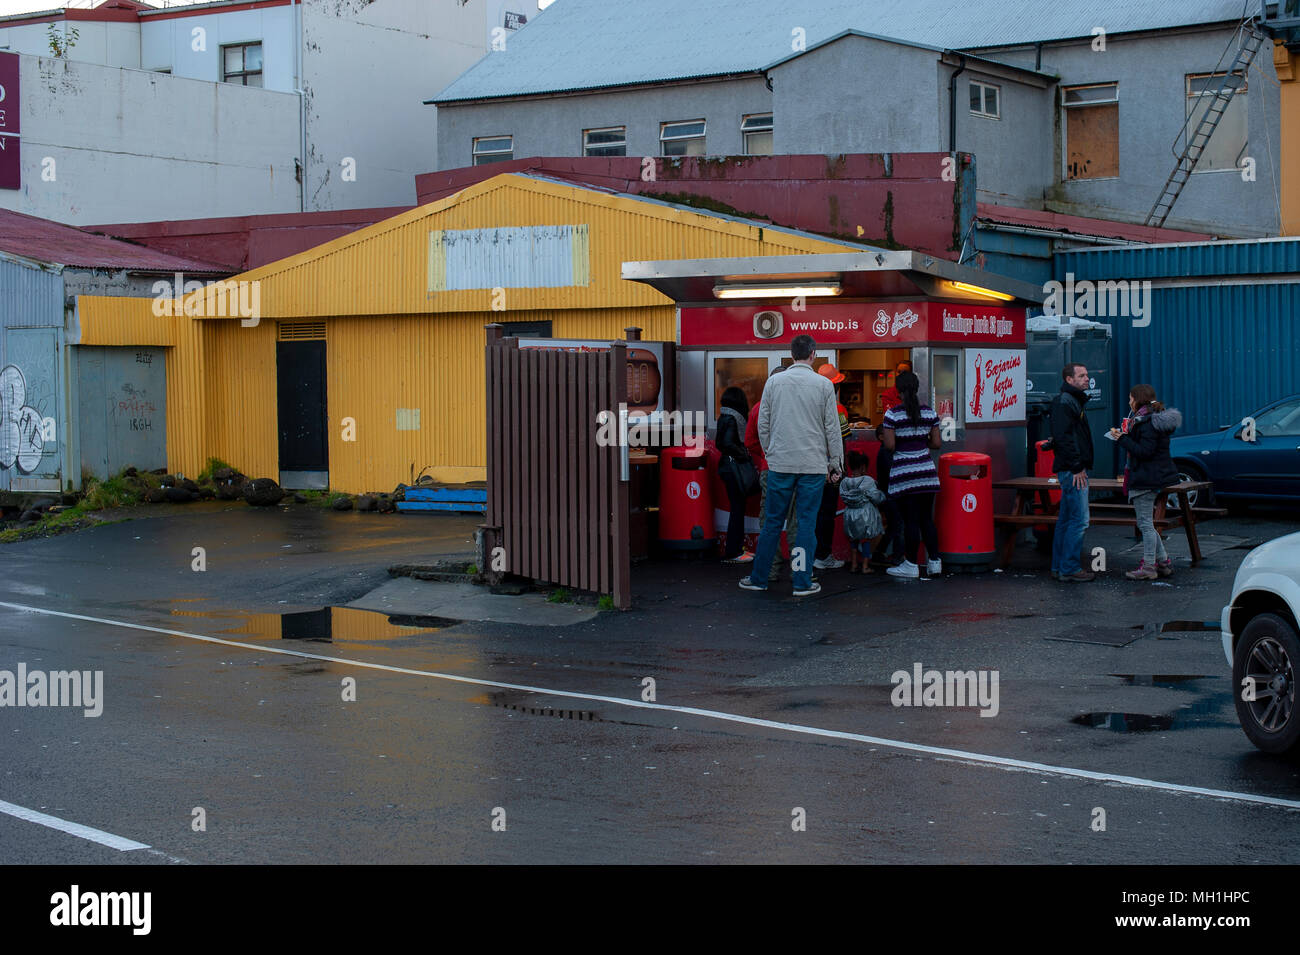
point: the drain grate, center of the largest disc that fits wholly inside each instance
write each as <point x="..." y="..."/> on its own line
<point x="1195" y="626"/>
<point x="583" y="716"/>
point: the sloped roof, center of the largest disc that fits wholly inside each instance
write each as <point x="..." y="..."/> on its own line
<point x="590" y="44"/>
<point x="54" y="243"/>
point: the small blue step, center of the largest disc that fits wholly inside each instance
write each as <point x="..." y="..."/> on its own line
<point x="473" y="496"/>
<point x="468" y="507"/>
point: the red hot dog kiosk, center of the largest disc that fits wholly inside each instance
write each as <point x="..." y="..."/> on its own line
<point x="963" y="330"/>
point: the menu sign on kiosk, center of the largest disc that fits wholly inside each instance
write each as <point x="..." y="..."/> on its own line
<point x="995" y="386"/>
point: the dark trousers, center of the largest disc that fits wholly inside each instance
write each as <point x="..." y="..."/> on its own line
<point x="892" y="540"/>
<point x="736" y="521"/>
<point x="826" y="520"/>
<point x="918" y="523"/>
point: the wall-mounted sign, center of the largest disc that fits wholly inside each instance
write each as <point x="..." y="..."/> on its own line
<point x="995" y="386"/>
<point x="10" y="163"/>
<point x="513" y="21"/>
<point x="849" y="323"/>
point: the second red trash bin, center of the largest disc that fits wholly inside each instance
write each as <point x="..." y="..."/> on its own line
<point x="963" y="511"/>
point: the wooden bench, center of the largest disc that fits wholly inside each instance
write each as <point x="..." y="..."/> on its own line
<point x="1036" y="491"/>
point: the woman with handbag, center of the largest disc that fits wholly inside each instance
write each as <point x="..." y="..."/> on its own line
<point x="737" y="470"/>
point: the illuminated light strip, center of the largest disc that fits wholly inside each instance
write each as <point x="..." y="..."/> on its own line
<point x="999" y="762"/>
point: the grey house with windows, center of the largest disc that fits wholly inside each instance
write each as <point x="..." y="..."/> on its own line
<point x="1071" y="107"/>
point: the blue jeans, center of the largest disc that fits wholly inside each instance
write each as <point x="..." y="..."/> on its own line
<point x="1071" y="523"/>
<point x="806" y="489"/>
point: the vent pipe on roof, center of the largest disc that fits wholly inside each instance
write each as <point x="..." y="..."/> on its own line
<point x="952" y="104"/>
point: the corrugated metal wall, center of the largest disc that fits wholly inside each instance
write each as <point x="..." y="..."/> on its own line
<point x="31" y="317"/>
<point x="393" y="346"/>
<point x="383" y="269"/>
<point x="1216" y="351"/>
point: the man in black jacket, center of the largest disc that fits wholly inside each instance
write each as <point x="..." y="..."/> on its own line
<point x="1072" y="444"/>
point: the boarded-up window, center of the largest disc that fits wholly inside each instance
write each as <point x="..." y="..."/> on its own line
<point x="1091" y="131"/>
<point x="1228" y="143"/>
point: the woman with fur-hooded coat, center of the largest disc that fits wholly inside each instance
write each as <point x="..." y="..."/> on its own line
<point x="1145" y="436"/>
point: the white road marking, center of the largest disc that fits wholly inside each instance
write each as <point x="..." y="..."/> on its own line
<point x="1000" y="762"/>
<point x="120" y="843"/>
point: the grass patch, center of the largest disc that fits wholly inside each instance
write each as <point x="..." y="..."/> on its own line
<point x="606" y="602"/>
<point x="559" y="596"/>
<point x="214" y="464"/>
<point x="73" y="519"/>
<point x="114" y="492"/>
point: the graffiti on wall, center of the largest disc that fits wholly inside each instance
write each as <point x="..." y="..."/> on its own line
<point x="23" y="430"/>
<point x="132" y="405"/>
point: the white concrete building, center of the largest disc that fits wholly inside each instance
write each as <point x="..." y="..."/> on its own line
<point x="133" y="113"/>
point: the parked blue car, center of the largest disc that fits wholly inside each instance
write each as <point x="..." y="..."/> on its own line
<point x="1243" y="471"/>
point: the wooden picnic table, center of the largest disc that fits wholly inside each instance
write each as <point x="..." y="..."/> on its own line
<point x="1037" y="491"/>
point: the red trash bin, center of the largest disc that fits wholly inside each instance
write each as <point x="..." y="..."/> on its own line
<point x="963" y="510"/>
<point x="685" y="499"/>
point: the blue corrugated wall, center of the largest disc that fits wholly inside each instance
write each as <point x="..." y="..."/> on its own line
<point x="1217" y="351"/>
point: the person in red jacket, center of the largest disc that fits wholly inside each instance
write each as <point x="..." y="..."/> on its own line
<point x="890" y="397"/>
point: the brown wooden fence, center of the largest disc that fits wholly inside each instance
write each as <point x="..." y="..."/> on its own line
<point x="557" y="503"/>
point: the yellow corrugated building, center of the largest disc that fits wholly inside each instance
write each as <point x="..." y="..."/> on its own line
<point x="1286" y="63"/>
<point x="396" y="313"/>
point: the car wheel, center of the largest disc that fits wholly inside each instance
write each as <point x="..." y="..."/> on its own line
<point x="1187" y="471"/>
<point x="1263" y="667"/>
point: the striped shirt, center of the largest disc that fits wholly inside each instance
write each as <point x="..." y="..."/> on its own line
<point x="912" y="470"/>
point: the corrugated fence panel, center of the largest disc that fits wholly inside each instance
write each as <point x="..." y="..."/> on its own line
<point x="1216" y="352"/>
<point x="29" y="296"/>
<point x="242" y="425"/>
<point x="118" y="320"/>
<point x="1266" y="256"/>
<point x="376" y="366"/>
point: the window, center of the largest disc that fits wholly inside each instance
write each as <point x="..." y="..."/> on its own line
<point x="242" y="64"/>
<point x="1091" y="131"/>
<point x="985" y="100"/>
<point x="493" y="149"/>
<point x="756" y="129"/>
<point x="945" y="384"/>
<point x="1228" y="144"/>
<point x="682" y="139"/>
<point x="611" y="141"/>
<point x="1282" y="421"/>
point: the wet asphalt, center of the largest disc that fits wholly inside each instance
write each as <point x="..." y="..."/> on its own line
<point x="422" y="768"/>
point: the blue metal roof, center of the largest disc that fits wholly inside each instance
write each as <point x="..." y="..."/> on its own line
<point x="590" y="44"/>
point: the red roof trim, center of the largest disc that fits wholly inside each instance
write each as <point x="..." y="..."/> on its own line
<point x="202" y="9"/>
<point x="1081" y="225"/>
<point x="128" y="11"/>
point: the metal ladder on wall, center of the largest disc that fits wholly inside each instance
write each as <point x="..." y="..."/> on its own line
<point x="1252" y="39"/>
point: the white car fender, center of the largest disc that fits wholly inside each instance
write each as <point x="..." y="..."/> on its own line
<point x="1267" y="581"/>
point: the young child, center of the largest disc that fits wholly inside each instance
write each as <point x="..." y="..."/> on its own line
<point x="891" y="543"/>
<point x="862" y="521"/>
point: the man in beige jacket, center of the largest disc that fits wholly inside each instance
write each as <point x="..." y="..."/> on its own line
<point x="799" y="429"/>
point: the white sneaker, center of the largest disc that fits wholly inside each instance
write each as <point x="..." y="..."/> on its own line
<point x="813" y="588"/>
<point x="905" y="569"/>
<point x="828" y="563"/>
<point x="934" y="567"/>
